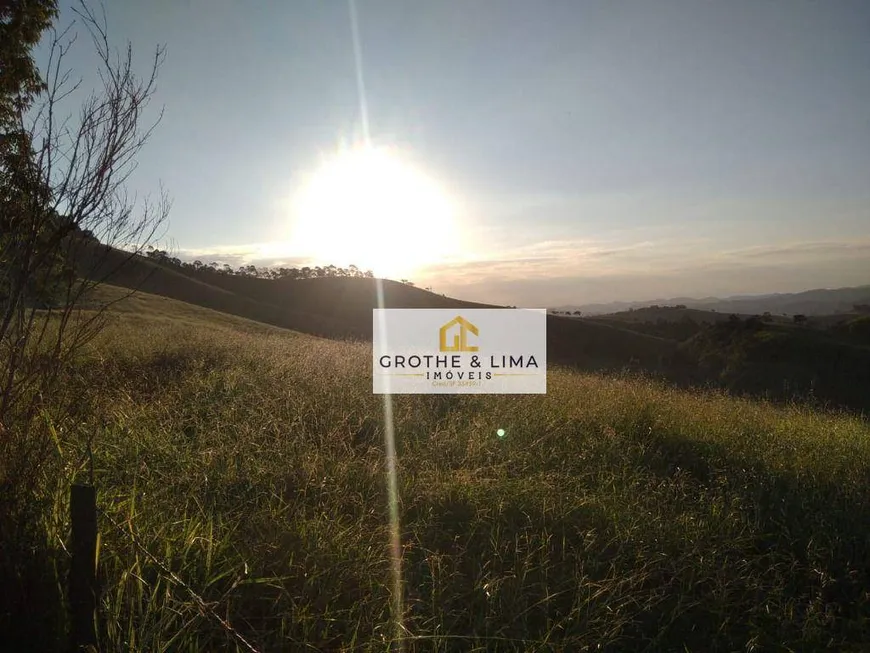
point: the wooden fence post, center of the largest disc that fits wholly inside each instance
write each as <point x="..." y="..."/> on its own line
<point x="83" y="570"/>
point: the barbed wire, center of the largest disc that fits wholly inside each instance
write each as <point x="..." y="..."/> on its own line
<point x="206" y="609"/>
<point x="201" y="603"/>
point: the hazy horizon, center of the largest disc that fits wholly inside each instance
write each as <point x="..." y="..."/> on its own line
<point x="707" y="298"/>
<point x="587" y="154"/>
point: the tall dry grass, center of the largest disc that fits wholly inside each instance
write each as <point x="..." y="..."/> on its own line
<point x="244" y="466"/>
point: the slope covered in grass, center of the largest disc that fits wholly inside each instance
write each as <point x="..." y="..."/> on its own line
<point x="783" y="361"/>
<point x="341" y="307"/>
<point x="246" y="464"/>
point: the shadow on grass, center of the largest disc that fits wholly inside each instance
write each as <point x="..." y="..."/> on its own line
<point x="512" y="573"/>
<point x="32" y="608"/>
<point x="815" y="531"/>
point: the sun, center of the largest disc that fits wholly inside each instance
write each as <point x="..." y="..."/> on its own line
<point x="370" y="207"/>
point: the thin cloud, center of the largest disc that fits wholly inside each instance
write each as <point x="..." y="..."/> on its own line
<point x="551" y="259"/>
<point x="570" y="272"/>
<point x="795" y="250"/>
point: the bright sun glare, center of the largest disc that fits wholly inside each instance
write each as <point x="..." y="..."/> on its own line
<point x="369" y="207"/>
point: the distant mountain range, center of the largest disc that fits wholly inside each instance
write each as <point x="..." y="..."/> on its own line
<point x="823" y="301"/>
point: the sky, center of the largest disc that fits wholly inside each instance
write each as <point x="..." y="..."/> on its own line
<point x="591" y="151"/>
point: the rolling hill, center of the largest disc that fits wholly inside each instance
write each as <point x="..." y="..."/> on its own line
<point x="677" y="313"/>
<point x="340" y="307"/>
<point x="782" y="361"/>
<point x="824" y="357"/>
<point x="686" y="346"/>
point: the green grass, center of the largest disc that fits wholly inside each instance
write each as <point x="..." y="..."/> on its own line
<point x="616" y="514"/>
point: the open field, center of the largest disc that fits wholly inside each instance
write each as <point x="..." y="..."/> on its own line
<point x="824" y="364"/>
<point x="616" y="514"/>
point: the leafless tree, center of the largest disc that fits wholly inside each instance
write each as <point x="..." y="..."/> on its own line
<point x="67" y="223"/>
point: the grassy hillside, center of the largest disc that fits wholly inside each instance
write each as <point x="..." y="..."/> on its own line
<point x="341" y="307"/>
<point x="245" y="464"/>
<point x="652" y="317"/>
<point x="784" y="360"/>
<point x="825" y="358"/>
<point x="666" y="322"/>
<point x="647" y="339"/>
<point x="674" y="314"/>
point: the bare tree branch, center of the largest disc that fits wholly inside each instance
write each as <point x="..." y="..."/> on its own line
<point x="68" y="222"/>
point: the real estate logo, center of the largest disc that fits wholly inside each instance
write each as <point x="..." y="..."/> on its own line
<point x="460" y="339"/>
<point x="477" y="351"/>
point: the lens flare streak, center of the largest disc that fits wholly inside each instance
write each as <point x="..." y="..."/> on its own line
<point x="389" y="426"/>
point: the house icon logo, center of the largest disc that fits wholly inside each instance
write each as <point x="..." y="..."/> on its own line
<point x="459" y="329"/>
